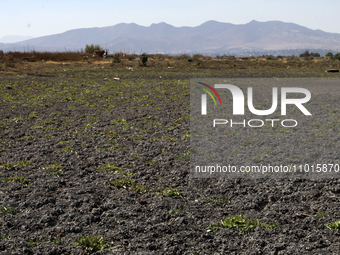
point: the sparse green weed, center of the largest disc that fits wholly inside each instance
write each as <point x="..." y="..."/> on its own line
<point x="322" y="214"/>
<point x="128" y="184"/>
<point x="68" y="148"/>
<point x="151" y="161"/>
<point x="217" y="200"/>
<point x="175" y="193"/>
<point x="242" y="224"/>
<point x="171" y="212"/>
<point x="334" y="226"/>
<point x="7" y="209"/>
<point x="92" y="243"/>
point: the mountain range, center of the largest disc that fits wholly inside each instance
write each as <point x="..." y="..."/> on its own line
<point x="14" y="38"/>
<point x="210" y="38"/>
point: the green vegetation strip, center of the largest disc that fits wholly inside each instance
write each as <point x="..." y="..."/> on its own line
<point x="92" y="243"/>
<point x="242" y="224"/>
<point x="7" y="209"/>
<point x="334" y="226"/>
<point x="128" y="184"/>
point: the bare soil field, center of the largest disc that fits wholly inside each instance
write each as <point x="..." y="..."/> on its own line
<point x="95" y="158"/>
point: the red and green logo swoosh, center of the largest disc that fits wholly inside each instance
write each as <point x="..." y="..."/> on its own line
<point x="208" y="92"/>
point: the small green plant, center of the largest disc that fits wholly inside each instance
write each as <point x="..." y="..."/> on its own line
<point x="32" y="242"/>
<point x="175" y="193"/>
<point x="63" y="142"/>
<point x="169" y="138"/>
<point x="155" y="124"/>
<point x="23" y="180"/>
<point x="322" y="214"/>
<point x="16" y="119"/>
<point x="28" y="137"/>
<point x="7" y="209"/>
<point x="151" y="161"/>
<point x="121" y="121"/>
<point x="49" y="122"/>
<point x="32" y="115"/>
<point x="19" y="164"/>
<point x="186" y="136"/>
<point x="109" y="133"/>
<point x="35" y="241"/>
<point x="185" y="155"/>
<point x="57" y="241"/>
<point x="165" y="150"/>
<point x="334" y="226"/>
<point x="68" y="148"/>
<point x="242" y="224"/>
<point x="54" y="166"/>
<point x="92" y="243"/>
<point x="116" y="220"/>
<point x="58" y="173"/>
<point x="128" y="184"/>
<point x="110" y="167"/>
<point x="137" y="138"/>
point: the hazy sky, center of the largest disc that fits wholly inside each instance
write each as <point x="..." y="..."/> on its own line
<point x="39" y="18"/>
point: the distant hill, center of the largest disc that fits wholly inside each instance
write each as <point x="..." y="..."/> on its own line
<point x="211" y="37"/>
<point x="14" y="38"/>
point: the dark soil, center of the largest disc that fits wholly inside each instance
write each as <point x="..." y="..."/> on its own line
<point x="61" y="133"/>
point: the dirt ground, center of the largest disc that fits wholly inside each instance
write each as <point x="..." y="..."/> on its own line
<point x="95" y="158"/>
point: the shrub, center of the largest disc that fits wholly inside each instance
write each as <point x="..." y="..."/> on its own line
<point x="270" y="57"/>
<point x="190" y="60"/>
<point x="91" y="48"/>
<point x="315" y="54"/>
<point x="116" y="58"/>
<point x="330" y="55"/>
<point x="1" y="53"/>
<point x="144" y="59"/>
<point x="337" y="56"/>
<point x="305" y="54"/>
<point x="197" y="56"/>
<point x="183" y="57"/>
